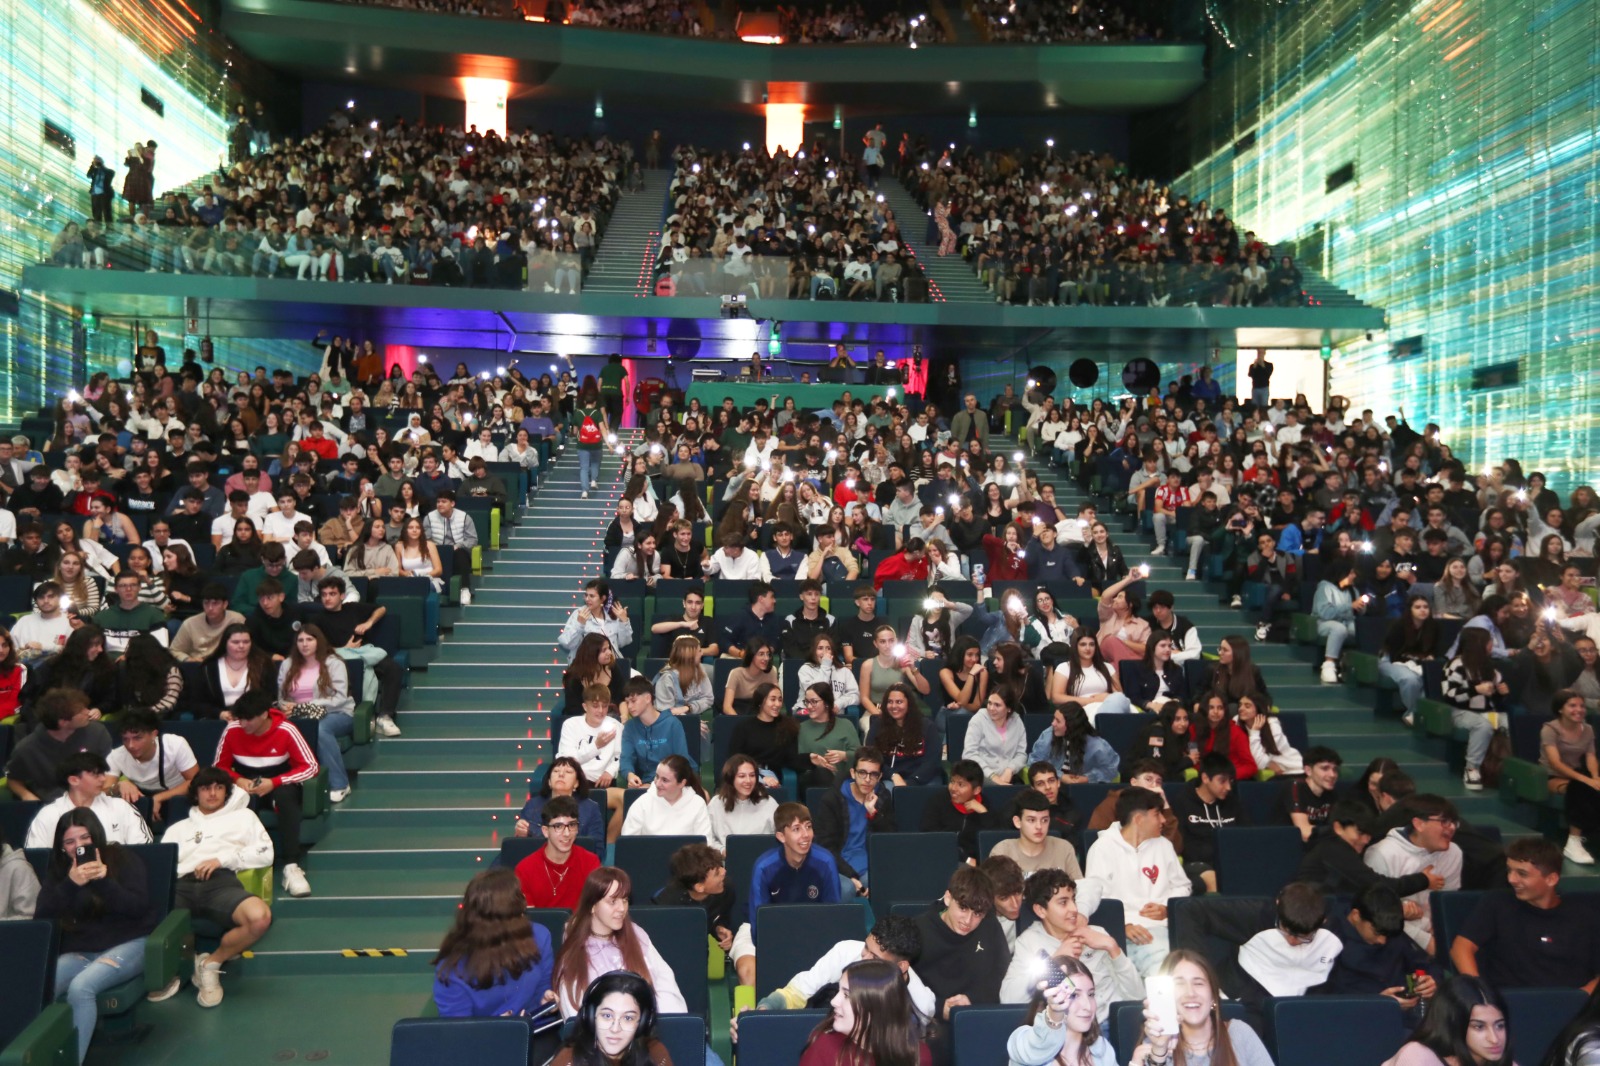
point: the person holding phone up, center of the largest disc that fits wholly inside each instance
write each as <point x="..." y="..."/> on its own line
<point x="98" y="894"/>
<point x="1183" y="1019"/>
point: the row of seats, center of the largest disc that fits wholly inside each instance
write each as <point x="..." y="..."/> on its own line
<point x="1301" y="1031"/>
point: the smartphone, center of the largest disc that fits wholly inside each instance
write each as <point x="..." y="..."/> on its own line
<point x="86" y="853"/>
<point x="1163" y="1000"/>
<point x="898" y="651"/>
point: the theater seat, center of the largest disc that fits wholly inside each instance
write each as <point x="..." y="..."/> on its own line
<point x="480" y="1041"/>
<point x="1334" y="1030"/>
<point x="1257" y="860"/>
<point x="774" y="1037"/>
<point x="791" y="936"/>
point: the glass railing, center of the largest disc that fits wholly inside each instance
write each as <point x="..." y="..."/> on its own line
<point x="228" y="253"/>
<point x="1147" y="285"/>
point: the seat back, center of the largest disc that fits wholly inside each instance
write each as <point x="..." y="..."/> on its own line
<point x="743" y="851"/>
<point x="648" y="861"/>
<point x="955" y="735"/>
<point x="27" y="980"/>
<point x="910" y="867"/>
<point x="683" y="1035"/>
<point x="1449" y="912"/>
<point x="554" y="920"/>
<point x="1537" y="1016"/>
<point x="1257" y="860"/>
<point x="788" y="936"/>
<point x="976" y="1032"/>
<point x="775" y="1037"/>
<point x="480" y="1041"/>
<point x="1334" y="1030"/>
<point x="909" y="802"/>
<point x="679" y="934"/>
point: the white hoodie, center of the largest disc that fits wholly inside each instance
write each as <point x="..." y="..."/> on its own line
<point x="234" y="836"/>
<point x="1395" y="856"/>
<point x="1114" y="978"/>
<point x="1152" y="874"/>
<point x="1286" y="969"/>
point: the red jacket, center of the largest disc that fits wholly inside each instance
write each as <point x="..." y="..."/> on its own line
<point x="898" y="568"/>
<point x="1004" y="564"/>
<point x="1244" y="764"/>
<point x="322" y="448"/>
<point x="242" y="754"/>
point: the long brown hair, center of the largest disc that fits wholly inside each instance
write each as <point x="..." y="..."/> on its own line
<point x="572" y="961"/>
<point x="886" y="1032"/>
<point x="1237" y="678"/>
<point x="727" y="793"/>
<point x="1222" y="1046"/>
<point x="492" y="939"/>
<point x="906" y="734"/>
<point x="297" y="662"/>
<point x="685" y="659"/>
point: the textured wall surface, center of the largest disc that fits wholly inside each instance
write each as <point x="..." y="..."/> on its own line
<point x="84" y="67"/>
<point x="1471" y="214"/>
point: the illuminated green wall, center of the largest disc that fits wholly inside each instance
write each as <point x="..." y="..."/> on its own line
<point x="84" y="66"/>
<point x="1472" y="214"/>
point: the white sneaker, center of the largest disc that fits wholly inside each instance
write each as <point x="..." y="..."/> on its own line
<point x="1262" y="629"/>
<point x="1409" y="719"/>
<point x="207" y="981"/>
<point x="1330" y="672"/>
<point x="294" y="880"/>
<point x="165" y="993"/>
<point x="466" y="597"/>
<point x="1236" y="602"/>
<point x="593" y="484"/>
<point x="384" y="726"/>
<point x="1576" y="852"/>
<point x="585" y="495"/>
<point x="1472" y="780"/>
<point x="1189" y="575"/>
<point x="338" y="795"/>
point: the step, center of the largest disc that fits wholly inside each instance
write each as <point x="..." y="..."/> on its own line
<point x="262" y="996"/>
<point x="437" y="766"/>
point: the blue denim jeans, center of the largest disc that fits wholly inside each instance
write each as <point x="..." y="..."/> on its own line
<point x="329" y="730"/>
<point x="1408" y="681"/>
<point x="82" y="976"/>
<point x="588" y="466"/>
<point x="1334" y="634"/>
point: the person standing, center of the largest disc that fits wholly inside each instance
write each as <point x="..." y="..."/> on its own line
<point x="139" y="184"/>
<point x="613" y="377"/>
<point x="100" y="190"/>
<point x="592" y="430"/>
<point x="1260" y="373"/>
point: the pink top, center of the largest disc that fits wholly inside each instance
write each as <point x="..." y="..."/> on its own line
<point x="303" y="689"/>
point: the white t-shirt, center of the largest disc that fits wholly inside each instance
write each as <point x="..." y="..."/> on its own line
<point x="165" y="768"/>
<point x="48" y="633"/>
<point x="118" y="817"/>
<point x="281" y="527"/>
<point x="8" y="526"/>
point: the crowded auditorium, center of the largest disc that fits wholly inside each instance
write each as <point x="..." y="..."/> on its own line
<point x="1069" y="530"/>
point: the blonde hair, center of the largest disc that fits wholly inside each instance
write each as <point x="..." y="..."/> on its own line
<point x="685" y="658"/>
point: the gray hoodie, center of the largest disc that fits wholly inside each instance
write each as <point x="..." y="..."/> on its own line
<point x="1395" y="856"/>
<point x="19" y="885"/>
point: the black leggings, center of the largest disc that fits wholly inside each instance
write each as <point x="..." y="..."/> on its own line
<point x="1583" y="809"/>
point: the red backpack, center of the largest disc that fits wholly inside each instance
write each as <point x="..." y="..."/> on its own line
<point x="588" y="431"/>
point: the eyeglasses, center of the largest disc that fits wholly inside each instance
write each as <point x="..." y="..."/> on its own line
<point x="1447" y="823"/>
<point x="813" y="701"/>
<point x="561" y="827"/>
<point x="868" y="775"/>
